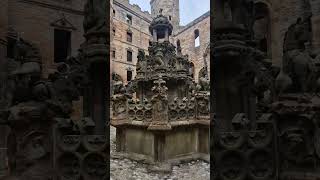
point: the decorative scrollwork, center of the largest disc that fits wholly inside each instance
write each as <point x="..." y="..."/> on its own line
<point x="94" y="143"/>
<point x="94" y="166"/>
<point x="232" y="165"/>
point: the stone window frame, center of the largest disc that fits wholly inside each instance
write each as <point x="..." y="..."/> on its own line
<point x="63" y="24"/>
<point x="113" y="12"/>
<point x="129" y="19"/>
<point x="10" y="45"/>
<point x="114" y="31"/>
<point x="129" y="50"/>
<point x="129" y="36"/>
<point x="197" y="42"/>
<point x="129" y="69"/>
<point x="70" y="43"/>
<point x="113" y="53"/>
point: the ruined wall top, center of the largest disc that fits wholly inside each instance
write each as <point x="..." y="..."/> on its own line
<point x="133" y="8"/>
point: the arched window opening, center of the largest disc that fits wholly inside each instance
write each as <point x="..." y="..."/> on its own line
<point x="191" y="70"/>
<point x="178" y="43"/>
<point x="196" y="38"/>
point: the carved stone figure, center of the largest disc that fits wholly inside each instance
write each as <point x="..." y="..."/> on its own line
<point x="204" y="82"/>
<point x="299" y="70"/>
<point x="141" y="64"/>
<point x="297" y="104"/>
<point x="159" y="58"/>
<point x="95" y="16"/>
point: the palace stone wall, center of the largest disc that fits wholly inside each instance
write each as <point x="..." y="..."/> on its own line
<point x="35" y="21"/>
<point x="140" y="36"/>
<point x="186" y="35"/>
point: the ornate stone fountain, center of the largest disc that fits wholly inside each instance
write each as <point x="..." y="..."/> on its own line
<point x="169" y="120"/>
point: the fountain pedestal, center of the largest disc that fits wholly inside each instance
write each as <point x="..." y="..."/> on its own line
<point x="169" y="121"/>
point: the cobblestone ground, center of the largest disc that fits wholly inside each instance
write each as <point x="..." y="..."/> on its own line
<point x="125" y="169"/>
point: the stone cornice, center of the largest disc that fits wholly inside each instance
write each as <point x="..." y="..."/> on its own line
<point x="123" y="62"/>
<point x="50" y="6"/>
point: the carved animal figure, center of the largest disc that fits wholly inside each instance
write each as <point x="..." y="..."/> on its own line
<point x="204" y="82"/>
<point x="297" y="63"/>
<point x="141" y="61"/>
<point x="159" y="58"/>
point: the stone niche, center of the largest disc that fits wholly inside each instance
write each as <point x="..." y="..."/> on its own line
<point x="169" y="120"/>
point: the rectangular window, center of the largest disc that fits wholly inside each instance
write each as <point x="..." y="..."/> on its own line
<point x="62" y="45"/>
<point x="197" y="42"/>
<point x="129" y="36"/>
<point x="129" y="75"/>
<point x="114" y="54"/>
<point x="196" y="38"/>
<point x="10" y="47"/>
<point x="129" y="56"/>
<point x="129" y="19"/>
<point x="114" y="32"/>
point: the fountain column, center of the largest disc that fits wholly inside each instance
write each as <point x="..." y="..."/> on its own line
<point x="235" y="63"/>
<point x="96" y="52"/>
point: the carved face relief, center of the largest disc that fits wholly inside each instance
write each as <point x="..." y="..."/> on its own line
<point x="294" y="145"/>
<point x="119" y="108"/>
<point x="203" y="106"/>
<point x="35" y="148"/>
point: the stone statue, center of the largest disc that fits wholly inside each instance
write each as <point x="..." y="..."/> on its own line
<point x="28" y="144"/>
<point x="204" y="82"/>
<point x="95" y="16"/>
<point x="264" y="84"/>
<point x="298" y="66"/>
<point x="159" y="58"/>
<point x="130" y="88"/>
<point x="141" y="64"/>
<point x="31" y="105"/>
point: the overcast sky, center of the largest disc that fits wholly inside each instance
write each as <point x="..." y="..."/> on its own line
<point x="189" y="9"/>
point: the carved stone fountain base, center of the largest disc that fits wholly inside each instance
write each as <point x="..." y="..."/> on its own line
<point x="162" y="149"/>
